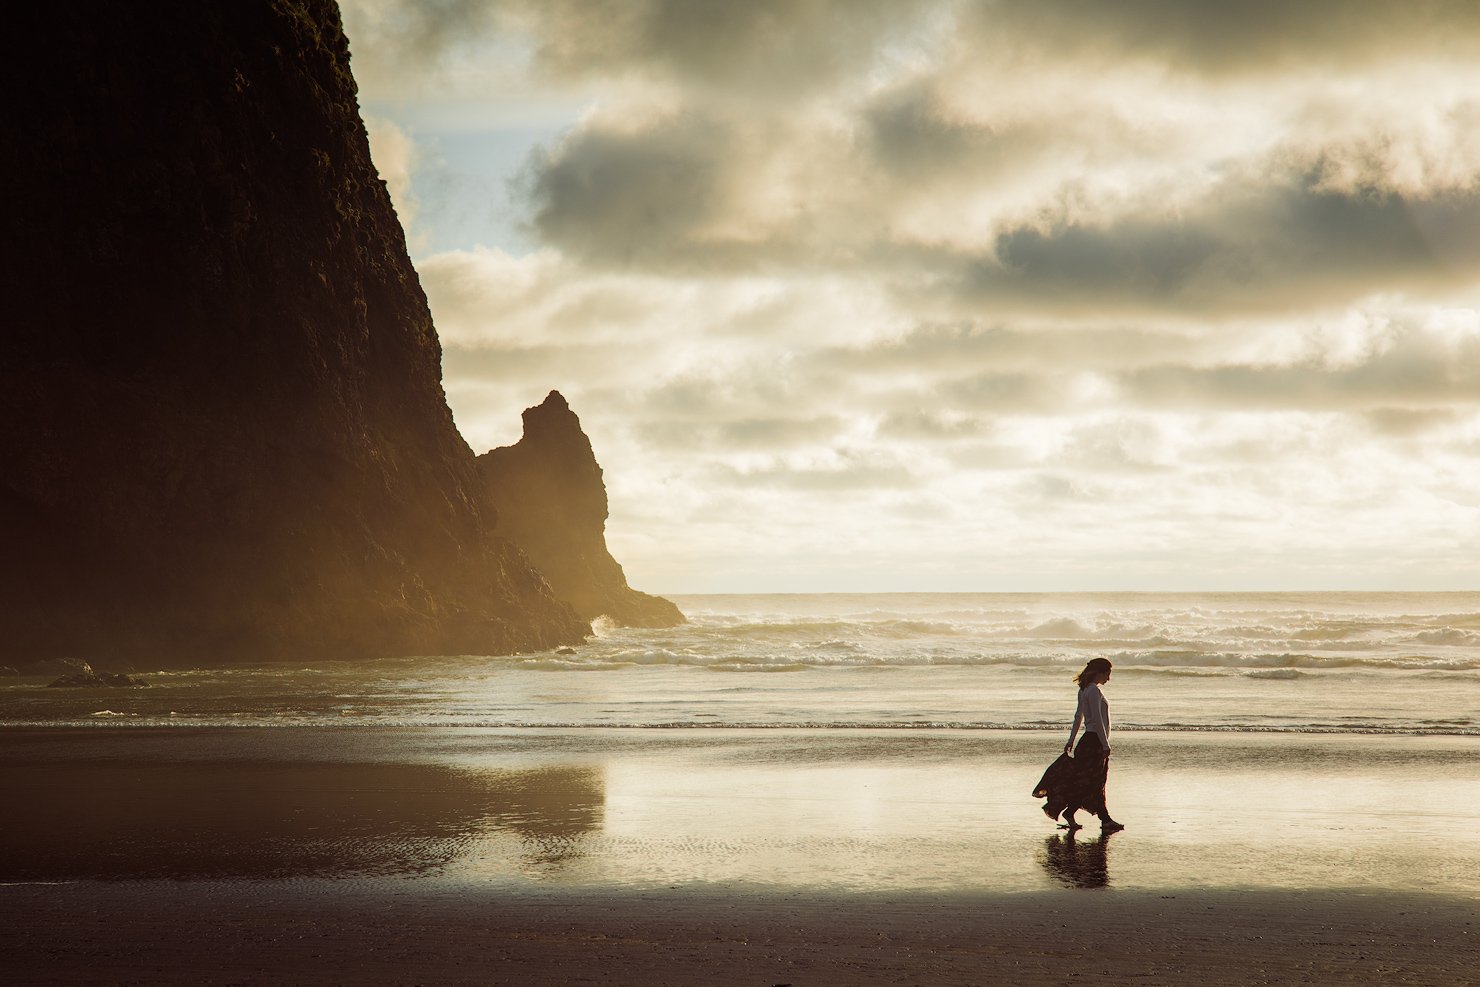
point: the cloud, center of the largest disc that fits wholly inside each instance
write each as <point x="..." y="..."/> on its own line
<point x="968" y="346"/>
<point x="1124" y="443"/>
<point x="1398" y="142"/>
<point x="1057" y="487"/>
<point x="488" y="297"/>
<point x="757" y="48"/>
<point x="1215" y="38"/>
<point x="845" y="472"/>
<point x="744" y="52"/>
<point x="395" y="157"/>
<point x="409" y="46"/>
<point x="913" y="133"/>
<point x="1432" y="364"/>
<point x="1250" y="248"/>
<point x="974" y="135"/>
<point x="1052" y="292"/>
<point x="632" y="198"/>
<point x="1296" y="226"/>
<point x="920" y="425"/>
<point x="418" y="31"/>
<point x="739" y="434"/>
<point x="1408" y="422"/>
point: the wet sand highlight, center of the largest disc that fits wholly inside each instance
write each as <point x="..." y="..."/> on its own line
<point x="682" y="856"/>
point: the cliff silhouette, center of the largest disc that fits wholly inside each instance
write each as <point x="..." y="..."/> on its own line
<point x="551" y="502"/>
<point x="223" y="434"/>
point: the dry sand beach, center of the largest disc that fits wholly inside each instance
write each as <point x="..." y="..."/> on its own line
<point x="322" y="855"/>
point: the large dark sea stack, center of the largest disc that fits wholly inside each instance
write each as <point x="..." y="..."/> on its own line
<point x="223" y="434"/>
<point x="551" y="502"/>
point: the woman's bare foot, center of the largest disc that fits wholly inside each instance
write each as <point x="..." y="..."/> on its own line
<point x="1108" y="825"/>
<point x="1070" y="823"/>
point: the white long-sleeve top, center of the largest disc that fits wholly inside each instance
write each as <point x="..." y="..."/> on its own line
<point x="1094" y="713"/>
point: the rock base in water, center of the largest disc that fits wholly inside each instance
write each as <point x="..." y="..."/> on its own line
<point x="551" y="501"/>
<point x="94" y="680"/>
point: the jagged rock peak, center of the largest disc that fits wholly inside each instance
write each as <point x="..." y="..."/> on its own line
<point x="552" y="421"/>
<point x="554" y="402"/>
<point x="550" y="498"/>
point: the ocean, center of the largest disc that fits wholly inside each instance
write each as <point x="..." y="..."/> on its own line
<point x="1354" y="663"/>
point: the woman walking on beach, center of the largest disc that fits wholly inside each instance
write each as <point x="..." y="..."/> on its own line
<point x="1078" y="782"/>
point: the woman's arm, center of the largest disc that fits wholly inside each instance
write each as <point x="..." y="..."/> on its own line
<point x="1078" y="718"/>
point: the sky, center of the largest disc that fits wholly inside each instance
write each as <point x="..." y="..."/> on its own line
<point x="976" y="295"/>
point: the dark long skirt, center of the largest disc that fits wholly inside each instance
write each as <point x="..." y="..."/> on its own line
<point x="1078" y="782"/>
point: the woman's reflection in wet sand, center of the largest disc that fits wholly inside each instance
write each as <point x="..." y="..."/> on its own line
<point x="552" y="811"/>
<point x="119" y="819"/>
<point x="1077" y="863"/>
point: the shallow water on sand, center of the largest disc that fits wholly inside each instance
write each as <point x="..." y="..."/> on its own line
<point x="848" y="810"/>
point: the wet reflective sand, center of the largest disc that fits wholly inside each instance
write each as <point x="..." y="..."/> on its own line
<point x="847" y="811"/>
<point x="327" y="856"/>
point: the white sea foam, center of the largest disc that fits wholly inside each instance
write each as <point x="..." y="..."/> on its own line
<point x="1449" y="636"/>
<point x="1256" y="662"/>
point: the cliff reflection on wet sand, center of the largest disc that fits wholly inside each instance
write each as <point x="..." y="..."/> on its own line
<point x="1077" y="863"/>
<point x="262" y="819"/>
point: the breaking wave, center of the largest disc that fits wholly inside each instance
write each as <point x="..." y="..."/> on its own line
<point x="1245" y="663"/>
<point x="852" y="655"/>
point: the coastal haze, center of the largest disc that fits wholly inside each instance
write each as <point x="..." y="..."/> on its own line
<point x="964" y="295"/>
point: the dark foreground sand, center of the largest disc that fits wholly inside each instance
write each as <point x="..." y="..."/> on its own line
<point x="281" y="933"/>
<point x="322" y="856"/>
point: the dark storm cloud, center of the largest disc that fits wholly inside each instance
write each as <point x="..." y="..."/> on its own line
<point x="1218" y="37"/>
<point x="681" y="195"/>
<point x="914" y="137"/>
<point x="925" y="130"/>
<point x="633" y="198"/>
<point x="1252" y="248"/>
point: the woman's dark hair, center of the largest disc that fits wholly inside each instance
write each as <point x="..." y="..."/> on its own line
<point x="1095" y="667"/>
